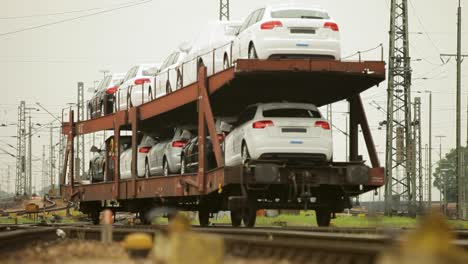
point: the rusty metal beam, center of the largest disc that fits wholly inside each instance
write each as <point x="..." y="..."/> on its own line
<point x="210" y="122"/>
<point x="116" y="158"/>
<point x="201" y="129"/>
<point x="374" y="68"/>
<point x="215" y="82"/>
<point x="366" y="132"/>
<point x="71" y="151"/>
<point x="133" y="116"/>
<point x="353" y="130"/>
<point x="169" y="102"/>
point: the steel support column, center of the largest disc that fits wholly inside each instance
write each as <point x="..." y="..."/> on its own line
<point x="353" y="130"/>
<point x="399" y="136"/>
<point x="116" y="159"/>
<point x="133" y="116"/>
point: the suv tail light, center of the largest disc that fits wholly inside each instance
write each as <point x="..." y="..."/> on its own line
<point x="112" y="90"/>
<point x="331" y="25"/>
<point x="323" y="124"/>
<point x="179" y="143"/>
<point x="262" y="124"/>
<point x="144" y="149"/>
<point x="142" y="81"/>
<point x="271" y="25"/>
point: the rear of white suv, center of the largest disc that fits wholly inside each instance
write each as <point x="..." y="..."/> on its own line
<point x="288" y="31"/>
<point x="291" y="132"/>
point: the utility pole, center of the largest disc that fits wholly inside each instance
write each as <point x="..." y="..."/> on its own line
<point x="224" y="10"/>
<point x="20" y="182"/>
<point x="460" y="172"/>
<point x="51" y="158"/>
<point x="427" y="184"/>
<point x="8" y="178"/>
<point x="444" y="188"/>
<point x="80" y="140"/>
<point x="417" y="150"/>
<point x="29" y="178"/>
<point x="429" y="189"/>
<point x="44" y="168"/>
<point x="399" y="156"/>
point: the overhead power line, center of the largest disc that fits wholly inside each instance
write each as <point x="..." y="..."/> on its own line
<point x="64" y="12"/>
<point x="73" y="18"/>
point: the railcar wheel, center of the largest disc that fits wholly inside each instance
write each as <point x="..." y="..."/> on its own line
<point x="323" y="217"/>
<point x="249" y="215"/>
<point x="236" y="218"/>
<point x="142" y="215"/>
<point x="95" y="214"/>
<point x="204" y="216"/>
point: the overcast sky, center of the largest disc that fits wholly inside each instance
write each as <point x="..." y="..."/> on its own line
<point x="44" y="64"/>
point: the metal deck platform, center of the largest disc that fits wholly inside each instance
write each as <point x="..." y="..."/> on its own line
<point x="250" y="82"/>
<point x="227" y="93"/>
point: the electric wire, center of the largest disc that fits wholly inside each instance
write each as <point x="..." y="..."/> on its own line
<point x="72" y="19"/>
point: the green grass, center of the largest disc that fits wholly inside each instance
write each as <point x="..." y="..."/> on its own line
<point x="307" y="219"/>
<point x="304" y="219"/>
<point x="24" y="219"/>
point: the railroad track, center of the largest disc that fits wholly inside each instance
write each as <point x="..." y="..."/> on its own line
<point x="320" y="245"/>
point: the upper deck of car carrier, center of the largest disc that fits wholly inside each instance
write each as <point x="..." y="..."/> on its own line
<point x="226" y="93"/>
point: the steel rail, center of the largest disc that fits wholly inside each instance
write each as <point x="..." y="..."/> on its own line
<point x="294" y="245"/>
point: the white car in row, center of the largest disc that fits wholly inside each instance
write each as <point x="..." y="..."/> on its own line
<point x="146" y="143"/>
<point x="293" y="132"/>
<point x="213" y="42"/>
<point x="102" y="102"/>
<point x="288" y="31"/>
<point x="155" y="156"/>
<point x="137" y="87"/>
<point x="170" y="77"/>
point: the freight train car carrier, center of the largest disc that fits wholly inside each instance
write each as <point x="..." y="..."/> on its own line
<point x="327" y="189"/>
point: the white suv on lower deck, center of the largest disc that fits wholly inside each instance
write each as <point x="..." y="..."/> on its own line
<point x="290" y="132"/>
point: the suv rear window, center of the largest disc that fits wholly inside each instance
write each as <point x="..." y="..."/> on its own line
<point x="299" y="13"/>
<point x="292" y="112"/>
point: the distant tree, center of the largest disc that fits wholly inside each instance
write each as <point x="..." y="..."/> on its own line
<point x="446" y="168"/>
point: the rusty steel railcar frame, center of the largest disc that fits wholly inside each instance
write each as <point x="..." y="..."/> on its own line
<point x="224" y="91"/>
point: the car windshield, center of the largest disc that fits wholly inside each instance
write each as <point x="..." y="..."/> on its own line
<point x="292" y="112"/>
<point x="300" y="13"/>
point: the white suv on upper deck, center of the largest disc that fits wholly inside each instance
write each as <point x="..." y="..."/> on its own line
<point x="290" y="132"/>
<point x="288" y="31"/>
